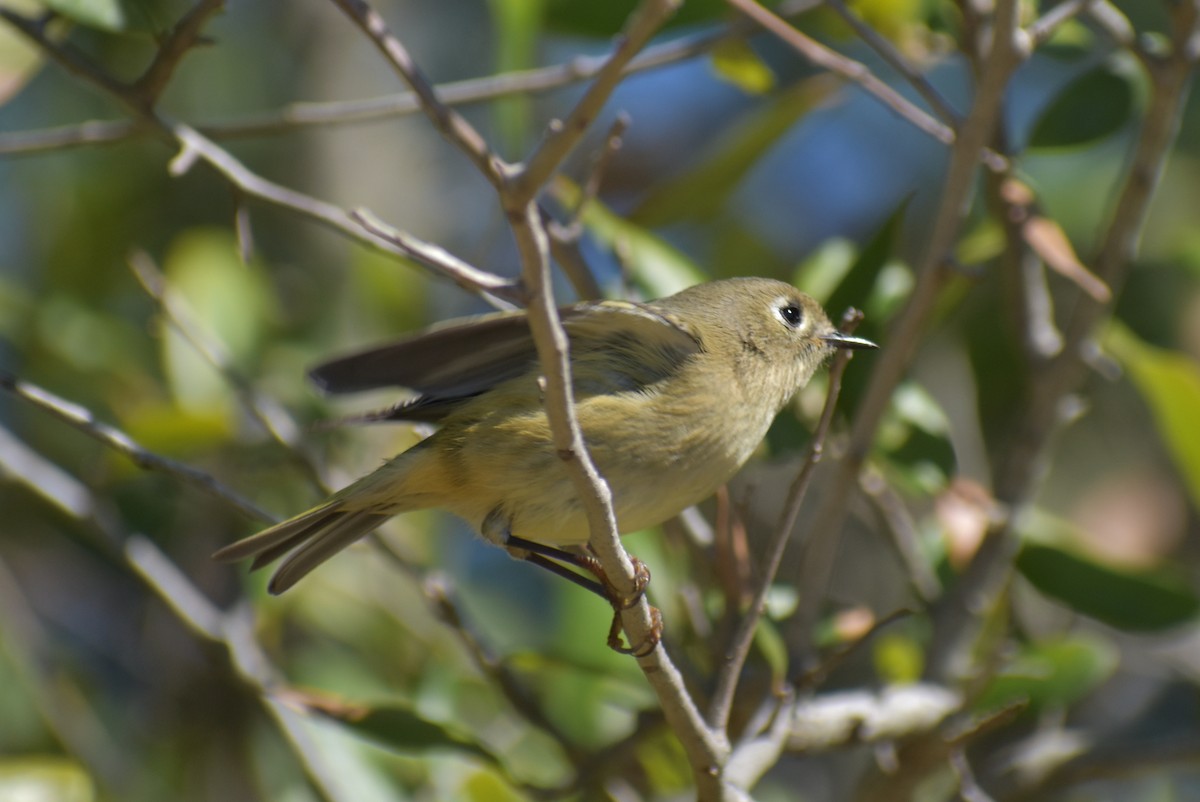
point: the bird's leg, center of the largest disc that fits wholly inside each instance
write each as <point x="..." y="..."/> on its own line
<point x="552" y="559"/>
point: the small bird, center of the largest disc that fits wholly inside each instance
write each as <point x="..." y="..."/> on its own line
<point x="672" y="397"/>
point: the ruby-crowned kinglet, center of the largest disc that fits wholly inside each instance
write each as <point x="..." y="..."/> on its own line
<point x="672" y="397"/>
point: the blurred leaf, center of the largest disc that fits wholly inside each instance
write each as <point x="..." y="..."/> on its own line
<point x="607" y="18"/>
<point x="1091" y="107"/>
<point x="19" y="59"/>
<point x="914" y="440"/>
<point x="163" y="427"/>
<point x="700" y="191"/>
<point x="1142" y="601"/>
<point x="395" y="726"/>
<point x="773" y="648"/>
<point x="655" y="267"/>
<point x="890" y="18"/>
<point x="898" y="657"/>
<point x="1052" y="674"/>
<point x="487" y="786"/>
<point x="823" y="270"/>
<point x="121" y="15"/>
<point x="54" y="779"/>
<point x="663" y="760"/>
<point x="736" y="62"/>
<point x="1170" y="383"/>
<point x="107" y="15"/>
<point x="229" y="300"/>
<point x="862" y="279"/>
<point x="517" y="25"/>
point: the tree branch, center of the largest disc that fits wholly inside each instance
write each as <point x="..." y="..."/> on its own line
<point x="734" y="655"/>
<point x="900" y="345"/>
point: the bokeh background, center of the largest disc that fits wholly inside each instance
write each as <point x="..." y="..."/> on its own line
<point x="741" y="159"/>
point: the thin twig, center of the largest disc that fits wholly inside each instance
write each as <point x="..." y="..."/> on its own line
<point x="860" y="74"/>
<point x="898" y="62"/>
<point x="734" y="657"/>
<point x="1045" y="26"/>
<point x="452" y="125"/>
<point x="900" y="344"/>
<point x="564" y="237"/>
<point x="564" y="135"/>
<point x="706" y="750"/>
<point x="235" y="631"/>
<point x="184" y="36"/>
<point x="270" y="415"/>
<point x="1021" y="465"/>
<point x="84" y="421"/>
<point x="63" y="706"/>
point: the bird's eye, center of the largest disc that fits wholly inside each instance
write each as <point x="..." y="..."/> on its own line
<point x="791" y="314"/>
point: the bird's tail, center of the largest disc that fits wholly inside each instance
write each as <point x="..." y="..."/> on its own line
<point x="311" y="538"/>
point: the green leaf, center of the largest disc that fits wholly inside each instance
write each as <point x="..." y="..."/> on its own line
<point x="700" y="191"/>
<point x="898" y="657"/>
<point x="861" y="281"/>
<point x="914" y="441"/>
<point x="230" y="303"/>
<point x="1170" y="383"/>
<point x="736" y="62"/>
<point x="656" y="268"/>
<point x="517" y="26"/>
<point x="1052" y="674"/>
<point x="1143" y="601"/>
<point x="1093" y="106"/>
<point x="121" y="15"/>
<point x="49" y="778"/>
<point x="109" y="15"/>
<point x="607" y="18"/>
<point x="395" y="726"/>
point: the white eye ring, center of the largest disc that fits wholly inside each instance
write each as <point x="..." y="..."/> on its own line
<point x="789" y="312"/>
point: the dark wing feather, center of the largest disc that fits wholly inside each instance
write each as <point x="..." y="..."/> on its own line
<point x="463" y="357"/>
<point x="456" y="361"/>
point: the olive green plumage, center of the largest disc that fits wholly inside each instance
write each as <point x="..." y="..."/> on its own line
<point x="672" y="397"/>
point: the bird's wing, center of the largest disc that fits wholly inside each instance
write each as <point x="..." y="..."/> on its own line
<point x="458" y="360"/>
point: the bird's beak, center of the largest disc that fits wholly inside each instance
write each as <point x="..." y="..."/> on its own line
<point x="839" y="340"/>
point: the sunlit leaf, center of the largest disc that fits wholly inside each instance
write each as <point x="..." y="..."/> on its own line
<point x="1055" y="673"/>
<point x="772" y="648"/>
<point x="898" y="657"/>
<point x="108" y="15"/>
<point x="121" y="15"/>
<point x="656" y="267"/>
<point x="1170" y="383"/>
<point x="1091" y="107"/>
<point x="395" y="726"/>
<point x="736" y="62"/>
<point x="44" y="778"/>
<point x="517" y="25"/>
<point x="20" y="60"/>
<point x="487" y="786"/>
<point x="1138" y="601"/>
<point x="227" y="299"/>
<point x="914" y="441"/>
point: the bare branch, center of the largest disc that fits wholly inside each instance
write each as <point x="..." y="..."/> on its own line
<point x="858" y="73"/>
<point x="564" y="135"/>
<point x="900" y="345"/>
<point x="171" y="50"/>
<point x="897" y="62"/>
<point x="734" y="656"/>
<point x="82" y="419"/>
<point x="452" y="125"/>
<point x="270" y="415"/>
<point x="1057" y="379"/>
<point x="1046" y="25"/>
